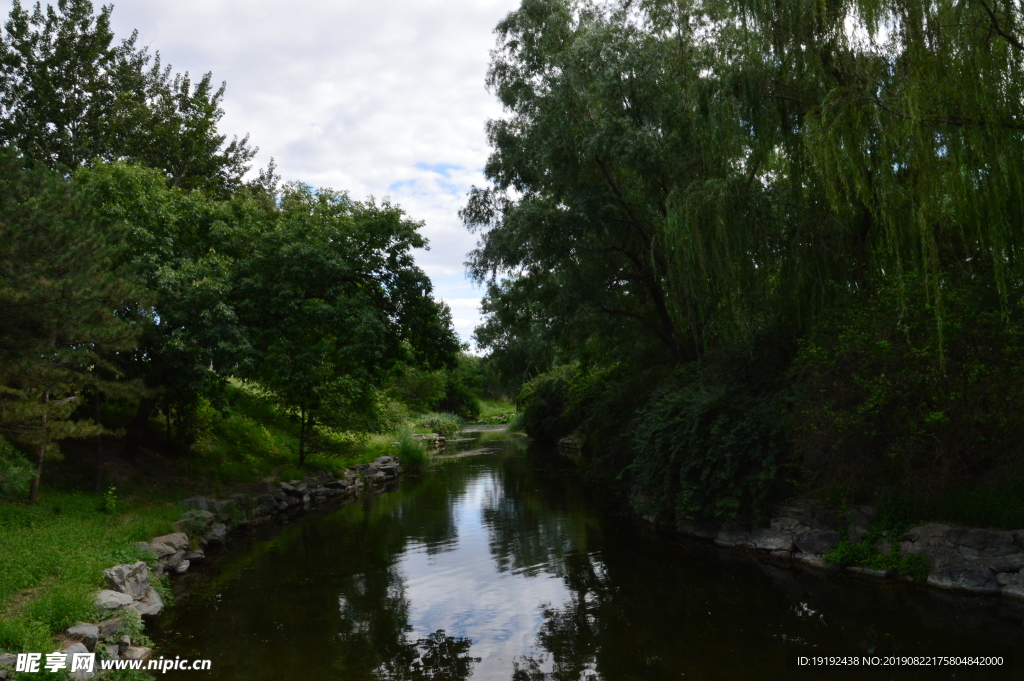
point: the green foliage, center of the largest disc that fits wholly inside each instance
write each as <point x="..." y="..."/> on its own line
<point x="446" y="425"/>
<point x="543" y="403"/>
<point x="463" y="384"/>
<point x="708" y="446"/>
<point x="15" y="471"/>
<point x="875" y="408"/>
<point x="108" y="502"/>
<point x="411" y="452"/>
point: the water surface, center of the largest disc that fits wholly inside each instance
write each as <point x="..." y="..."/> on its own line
<point x="501" y="564"/>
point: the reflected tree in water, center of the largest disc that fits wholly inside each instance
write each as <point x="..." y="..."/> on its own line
<point x="438" y="657"/>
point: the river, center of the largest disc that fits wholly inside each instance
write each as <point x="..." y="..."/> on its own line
<point x="501" y="564"/>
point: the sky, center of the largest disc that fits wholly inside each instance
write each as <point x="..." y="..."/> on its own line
<point x="383" y="98"/>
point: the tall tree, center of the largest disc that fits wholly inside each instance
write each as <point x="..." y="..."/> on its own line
<point x="334" y="301"/>
<point x="70" y="94"/>
<point x="61" y="292"/>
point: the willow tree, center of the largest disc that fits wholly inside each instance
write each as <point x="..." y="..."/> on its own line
<point x="699" y="171"/>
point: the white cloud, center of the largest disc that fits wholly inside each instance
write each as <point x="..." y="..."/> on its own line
<point x="384" y="98"/>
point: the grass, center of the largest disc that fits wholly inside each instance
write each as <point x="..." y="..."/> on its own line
<point x="411" y="453"/>
<point x="446" y="425"/>
<point x="491" y="410"/>
<point x="53" y="558"/>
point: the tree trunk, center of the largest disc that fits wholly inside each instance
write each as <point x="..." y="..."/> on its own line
<point x="33" y="494"/>
<point x="137" y="431"/>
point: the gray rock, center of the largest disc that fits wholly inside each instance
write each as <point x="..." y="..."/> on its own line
<point x="771" y="540"/>
<point x="110" y="627"/>
<point x="969" y="554"/>
<point x="1015" y="591"/>
<point x="266" y="488"/>
<point x="177" y="540"/>
<point x="151" y="605"/>
<point x="111" y="600"/>
<point x="76" y="647"/>
<point x="301" y="488"/>
<point x="732" y="537"/>
<point x="791" y="525"/>
<point x="817" y="541"/>
<point x="162" y="550"/>
<point x="182" y="567"/>
<point x="87" y="633"/>
<point x="242" y="502"/>
<point x="130" y="579"/>
<point x="868" y="572"/>
<point x="339" y="485"/>
<point x="8" y="660"/>
<point x="970" y="579"/>
<point x="932" y="534"/>
<point x="979" y="539"/>
<point x="136" y="653"/>
<point x="287" y="488"/>
<point x="1013" y="562"/>
<point x="265" y="503"/>
<point x="941" y="558"/>
<point x="193" y="556"/>
<point x="216" y="534"/>
<point x="1018" y="536"/>
<point x="173" y="560"/>
<point x="1007" y="578"/>
<point x="198" y="503"/>
<point x="813" y="560"/>
<point x="145" y="547"/>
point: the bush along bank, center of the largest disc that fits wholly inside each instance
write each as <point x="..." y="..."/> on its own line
<point x="967" y="559"/>
<point x="136" y="592"/>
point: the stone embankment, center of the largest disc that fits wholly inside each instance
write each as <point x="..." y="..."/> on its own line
<point x="967" y="559"/>
<point x="130" y="596"/>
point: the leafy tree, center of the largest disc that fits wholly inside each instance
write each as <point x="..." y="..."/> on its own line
<point x="333" y="302"/>
<point x="60" y="287"/>
<point x="69" y="94"/>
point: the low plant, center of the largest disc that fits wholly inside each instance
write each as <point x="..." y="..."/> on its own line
<point x="108" y="502"/>
<point x="410" y="451"/>
<point x="866" y="554"/>
<point x="445" y="425"/>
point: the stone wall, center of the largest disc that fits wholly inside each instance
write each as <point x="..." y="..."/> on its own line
<point x="970" y="559"/>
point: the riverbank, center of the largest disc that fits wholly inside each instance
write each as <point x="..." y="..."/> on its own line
<point x="60" y="554"/>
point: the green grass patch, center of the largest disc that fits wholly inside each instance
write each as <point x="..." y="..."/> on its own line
<point x="54" y="555"/>
<point x="496" y="411"/>
<point x="411" y="453"/>
<point x="889" y="528"/>
<point x="446" y="425"/>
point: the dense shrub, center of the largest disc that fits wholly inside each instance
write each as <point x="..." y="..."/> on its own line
<point x="543" y="403"/>
<point x="15" y="471"/>
<point x="889" y="399"/>
<point x="446" y="425"/>
<point x="707" y="452"/>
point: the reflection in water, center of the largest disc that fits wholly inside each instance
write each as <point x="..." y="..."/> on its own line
<point x="503" y="565"/>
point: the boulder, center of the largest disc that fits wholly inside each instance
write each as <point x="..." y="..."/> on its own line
<point x="197" y="503"/>
<point x="216" y="534"/>
<point x="136" y="653"/>
<point x="1007" y="578"/>
<point x="182" y="567"/>
<point x="883" y="546"/>
<point x="266" y="488"/>
<point x="177" y="540"/>
<point x="932" y="534"/>
<point x="110" y="627"/>
<point x="8" y="660"/>
<point x="265" y="503"/>
<point x="856" y="525"/>
<point x="1015" y="591"/>
<point x="970" y="579"/>
<point x="174" y="559"/>
<point x="791" y="525"/>
<point x="1018" y="536"/>
<point x="145" y="547"/>
<point x="112" y="600"/>
<point x="771" y="540"/>
<point x="130" y="579"/>
<point x="732" y="537"/>
<point x="193" y="556"/>
<point x="696" y="529"/>
<point x="76" y="647"/>
<point x="243" y="502"/>
<point x="87" y="633"/>
<point x="979" y="539"/>
<point x="161" y="550"/>
<point x="287" y="488"/>
<point x="151" y="604"/>
<point x="941" y="558"/>
<point x="1009" y="563"/>
<point x="817" y="542"/>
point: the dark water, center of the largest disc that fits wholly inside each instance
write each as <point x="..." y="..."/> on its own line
<point x="504" y="565"/>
